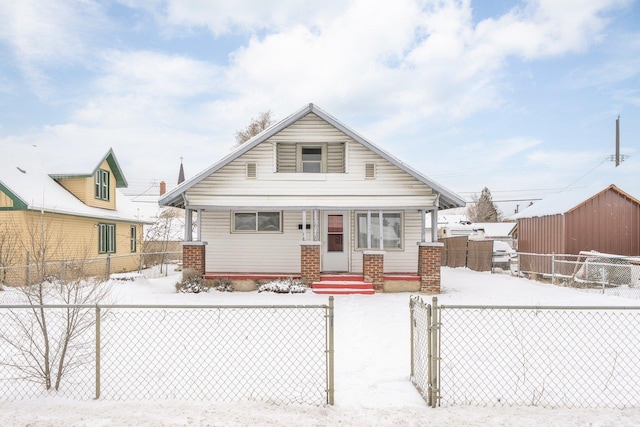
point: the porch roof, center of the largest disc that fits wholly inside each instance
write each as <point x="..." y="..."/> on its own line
<point x="311" y="207"/>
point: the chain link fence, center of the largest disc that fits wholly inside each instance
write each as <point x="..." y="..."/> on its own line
<point x="584" y="357"/>
<point x="589" y="272"/>
<point x="278" y="354"/>
<point x="154" y="263"/>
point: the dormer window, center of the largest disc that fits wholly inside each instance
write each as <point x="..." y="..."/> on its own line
<point x="311" y="159"/>
<point x="102" y="184"/>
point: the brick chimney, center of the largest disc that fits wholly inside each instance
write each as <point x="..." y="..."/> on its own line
<point x="163" y="187"/>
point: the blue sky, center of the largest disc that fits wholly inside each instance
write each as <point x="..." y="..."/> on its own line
<point x="518" y="96"/>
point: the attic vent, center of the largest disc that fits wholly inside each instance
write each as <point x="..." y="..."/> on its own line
<point x="251" y="170"/>
<point x="370" y="171"/>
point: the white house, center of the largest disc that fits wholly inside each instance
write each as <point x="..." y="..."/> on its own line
<point x="309" y="197"/>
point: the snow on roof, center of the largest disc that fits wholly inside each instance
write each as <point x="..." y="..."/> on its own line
<point x="24" y="173"/>
<point x="495" y="229"/>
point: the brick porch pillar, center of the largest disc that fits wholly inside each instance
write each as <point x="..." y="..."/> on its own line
<point x="429" y="263"/>
<point x="373" y="268"/>
<point x="193" y="256"/>
<point x="310" y="261"/>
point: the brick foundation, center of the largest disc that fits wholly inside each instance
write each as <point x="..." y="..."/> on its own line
<point x="193" y="256"/>
<point x="429" y="263"/>
<point x="310" y="261"/>
<point x="373" y="268"/>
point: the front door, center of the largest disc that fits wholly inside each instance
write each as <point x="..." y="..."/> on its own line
<point x="335" y="241"/>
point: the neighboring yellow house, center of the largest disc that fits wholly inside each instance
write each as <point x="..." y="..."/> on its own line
<point x="64" y="222"/>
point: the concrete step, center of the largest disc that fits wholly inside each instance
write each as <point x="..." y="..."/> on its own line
<point x="343" y="291"/>
<point x="342" y="286"/>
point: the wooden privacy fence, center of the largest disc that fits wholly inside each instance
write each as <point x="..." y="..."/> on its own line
<point x="459" y="251"/>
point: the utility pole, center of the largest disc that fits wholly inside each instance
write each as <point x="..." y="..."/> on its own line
<point x="618" y="141"/>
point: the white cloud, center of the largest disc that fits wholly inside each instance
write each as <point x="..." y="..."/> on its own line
<point x="405" y="63"/>
<point x="48" y="33"/>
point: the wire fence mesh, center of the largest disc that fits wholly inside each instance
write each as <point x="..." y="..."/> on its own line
<point x="31" y="271"/>
<point x="279" y="354"/>
<point x="588" y="272"/>
<point x="583" y="357"/>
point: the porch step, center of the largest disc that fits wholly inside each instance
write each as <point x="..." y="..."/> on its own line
<point x="342" y="286"/>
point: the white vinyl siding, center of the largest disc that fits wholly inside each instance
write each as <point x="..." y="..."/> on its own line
<point x="392" y="187"/>
<point x="251" y="252"/>
<point x="280" y="252"/>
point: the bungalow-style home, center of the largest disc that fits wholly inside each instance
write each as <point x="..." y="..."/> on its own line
<point x="310" y="198"/>
<point x="62" y="215"/>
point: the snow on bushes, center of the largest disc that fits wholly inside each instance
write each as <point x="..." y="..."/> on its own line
<point x="284" y="286"/>
<point x="191" y="283"/>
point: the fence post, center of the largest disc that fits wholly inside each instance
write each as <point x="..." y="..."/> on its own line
<point x="411" y="327"/>
<point x="434" y="380"/>
<point x="27" y="269"/>
<point x="108" y="266"/>
<point x="603" y="280"/>
<point x="97" y="352"/>
<point x="553" y="268"/>
<point x="330" y="353"/>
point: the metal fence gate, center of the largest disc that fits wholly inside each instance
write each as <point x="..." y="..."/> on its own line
<point x="279" y="354"/>
<point x="584" y="357"/>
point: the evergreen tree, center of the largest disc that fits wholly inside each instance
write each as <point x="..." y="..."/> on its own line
<point x="482" y="209"/>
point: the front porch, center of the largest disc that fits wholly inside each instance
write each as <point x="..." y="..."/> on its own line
<point x="386" y="248"/>
<point x="372" y="279"/>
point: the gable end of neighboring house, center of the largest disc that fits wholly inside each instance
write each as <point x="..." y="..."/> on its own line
<point x="69" y="216"/>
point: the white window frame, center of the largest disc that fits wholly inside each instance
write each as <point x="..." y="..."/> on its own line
<point x="257" y="222"/>
<point x="323" y="156"/>
<point x="106" y="238"/>
<point x="134" y="239"/>
<point x="375" y="231"/>
<point x="102" y="184"/>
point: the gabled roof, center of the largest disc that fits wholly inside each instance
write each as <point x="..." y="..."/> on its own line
<point x="447" y="199"/>
<point x="567" y="201"/>
<point x="25" y="178"/>
<point x="80" y="169"/>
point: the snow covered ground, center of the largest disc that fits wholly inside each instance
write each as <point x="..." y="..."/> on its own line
<point x="372" y="384"/>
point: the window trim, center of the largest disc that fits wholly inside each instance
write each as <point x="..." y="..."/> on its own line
<point x="107" y="238"/>
<point x="102" y="185"/>
<point x="374" y="214"/>
<point x="323" y="156"/>
<point x="134" y="239"/>
<point x="256" y="231"/>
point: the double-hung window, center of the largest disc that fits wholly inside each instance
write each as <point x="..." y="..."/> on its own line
<point x="134" y="241"/>
<point x="106" y="238"/>
<point x="247" y="222"/>
<point x="311" y="159"/>
<point x="391" y="229"/>
<point x="102" y="184"/>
